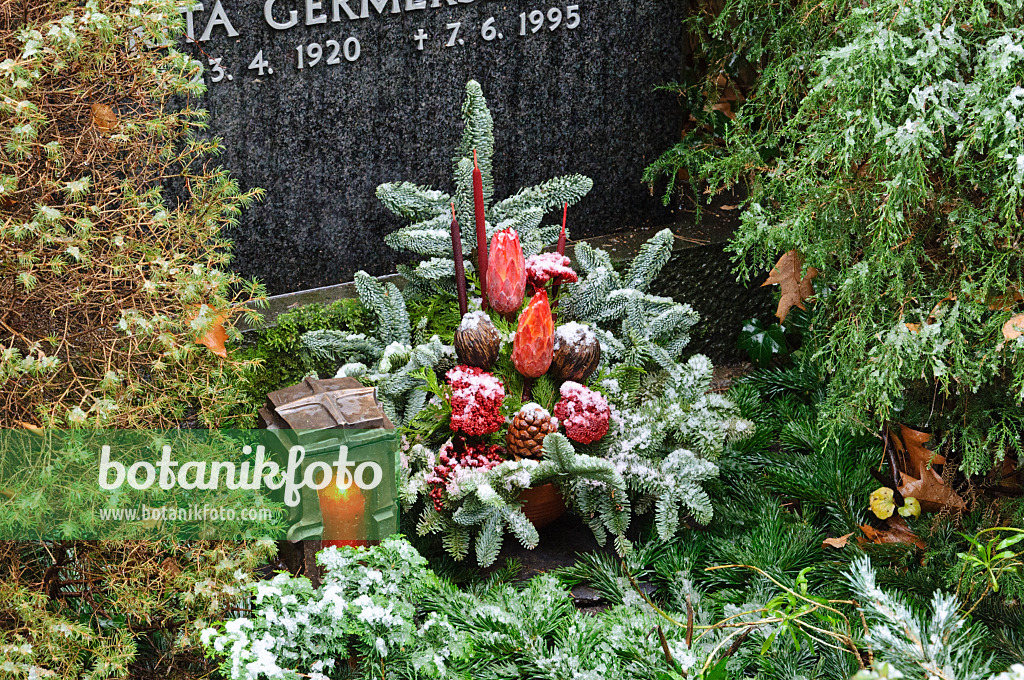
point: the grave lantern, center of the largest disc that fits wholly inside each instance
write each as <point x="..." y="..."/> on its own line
<point x="358" y="504"/>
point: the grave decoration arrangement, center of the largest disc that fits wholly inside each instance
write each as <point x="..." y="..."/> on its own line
<point x="572" y="382"/>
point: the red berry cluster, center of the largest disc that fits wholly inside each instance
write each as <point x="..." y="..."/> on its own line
<point x="583" y="412"/>
<point x="476" y="401"/>
<point x="459" y="455"/>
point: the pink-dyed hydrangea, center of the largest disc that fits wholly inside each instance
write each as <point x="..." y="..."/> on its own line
<point x="476" y="401"/>
<point x="549" y="267"/>
<point x="584" y="413"/>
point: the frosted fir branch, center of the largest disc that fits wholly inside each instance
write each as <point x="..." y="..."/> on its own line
<point x="545" y="196"/>
<point x="431" y="237"/>
<point x="592" y="259"/>
<point x="464" y="207"/>
<point x="521" y="527"/>
<point x="525" y="222"/>
<point x="477" y="135"/>
<point x="341" y="346"/>
<point x="387" y="305"/>
<point x="413" y="201"/>
<point x="940" y="643"/>
<point x="649" y="261"/>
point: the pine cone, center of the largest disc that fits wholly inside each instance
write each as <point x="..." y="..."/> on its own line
<point x="577" y="353"/>
<point x="525" y="438"/>
<point x="477" y="341"/>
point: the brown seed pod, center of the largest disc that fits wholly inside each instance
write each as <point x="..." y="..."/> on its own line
<point x="577" y="353"/>
<point x="525" y="438"/>
<point x="477" y="341"/>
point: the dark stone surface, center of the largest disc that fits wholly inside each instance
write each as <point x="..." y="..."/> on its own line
<point x="321" y="139"/>
<point x="702" y="276"/>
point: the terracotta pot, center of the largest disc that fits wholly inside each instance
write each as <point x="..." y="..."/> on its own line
<point x="542" y="505"/>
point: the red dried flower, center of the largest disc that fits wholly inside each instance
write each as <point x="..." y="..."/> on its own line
<point x="534" y="343"/>
<point x="584" y="413"/>
<point x="549" y="267"/>
<point x="476" y="401"/>
<point x="506" y="273"/>
<point x="455" y="459"/>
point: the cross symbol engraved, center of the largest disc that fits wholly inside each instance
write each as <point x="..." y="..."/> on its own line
<point x="419" y="38"/>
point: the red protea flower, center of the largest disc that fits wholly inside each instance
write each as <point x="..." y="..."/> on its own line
<point x="535" y="338"/>
<point x="476" y="401"/>
<point x="549" y="267"/>
<point x="583" y="412"/>
<point x="506" y="273"/>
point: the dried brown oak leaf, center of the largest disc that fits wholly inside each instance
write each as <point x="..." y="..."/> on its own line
<point x="1014" y="327"/>
<point x="896" y="531"/>
<point x="103" y="117"/>
<point x="795" y="289"/>
<point x="918" y="478"/>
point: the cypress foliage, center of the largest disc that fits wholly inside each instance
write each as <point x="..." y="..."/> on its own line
<point x="882" y="141"/>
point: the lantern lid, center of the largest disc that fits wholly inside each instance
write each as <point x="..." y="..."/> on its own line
<point x="324" y="404"/>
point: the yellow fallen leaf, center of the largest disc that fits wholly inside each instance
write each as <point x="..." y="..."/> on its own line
<point x="34" y="429"/>
<point x="882" y="502"/>
<point x="911" y="508"/>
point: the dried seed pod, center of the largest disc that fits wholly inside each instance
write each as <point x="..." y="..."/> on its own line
<point x="577" y="353"/>
<point x="477" y="341"/>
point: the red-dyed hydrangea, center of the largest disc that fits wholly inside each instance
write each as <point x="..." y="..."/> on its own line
<point x="583" y="412"/>
<point x="549" y="267"/>
<point x="476" y="401"/>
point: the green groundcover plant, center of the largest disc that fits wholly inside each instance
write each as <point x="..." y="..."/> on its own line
<point x="883" y="141"/>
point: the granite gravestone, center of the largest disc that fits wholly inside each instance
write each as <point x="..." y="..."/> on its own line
<point x="320" y="101"/>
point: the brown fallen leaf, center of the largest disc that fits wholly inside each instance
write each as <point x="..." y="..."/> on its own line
<point x="725" y="108"/>
<point x="1014" y="327"/>
<point x="935" y="310"/>
<point x="1006" y="301"/>
<point x="727" y="207"/>
<point x="171" y="567"/>
<point x="7" y="493"/>
<point x="896" y="531"/>
<point x="795" y="289"/>
<point x="837" y="542"/>
<point x="34" y="429"/>
<point x="913" y="327"/>
<point x="216" y="336"/>
<point x="917" y="476"/>
<point x="103" y="117"/>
